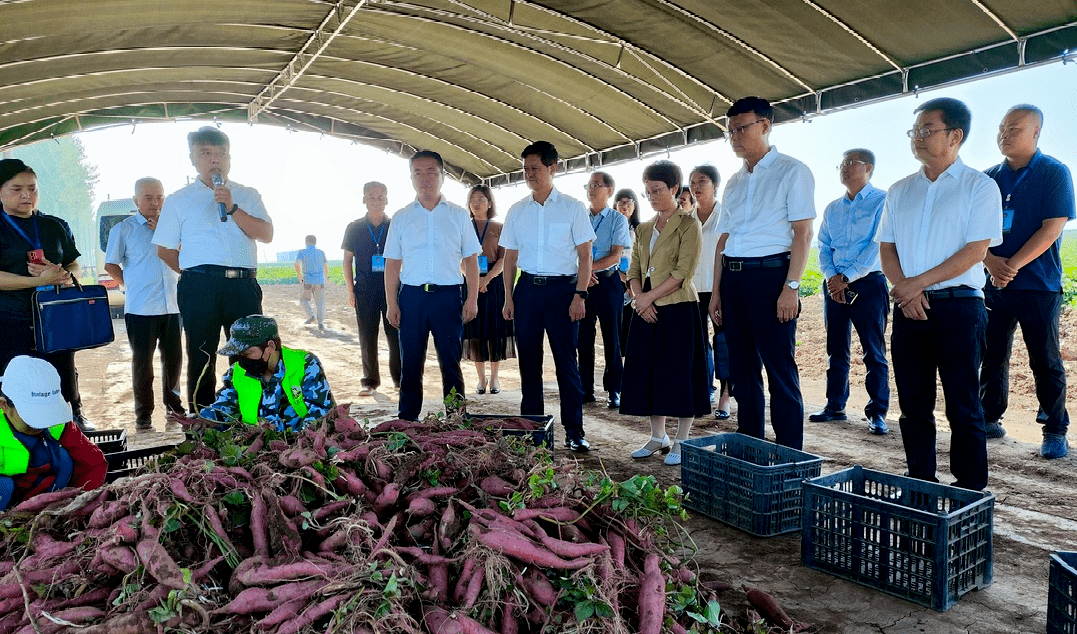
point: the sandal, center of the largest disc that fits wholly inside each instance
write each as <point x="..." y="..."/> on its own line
<point x="721" y="414"/>
<point x="647" y="452"/>
<point x="674" y="457"/>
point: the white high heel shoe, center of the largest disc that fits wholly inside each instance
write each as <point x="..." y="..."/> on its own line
<point x="644" y="452"/>
<point x="674" y="457"/>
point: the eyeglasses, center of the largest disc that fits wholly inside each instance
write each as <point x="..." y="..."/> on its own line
<point x="591" y="186"/>
<point x="734" y="131"/>
<point x="849" y="163"/>
<point x="655" y="193"/>
<point x="924" y="132"/>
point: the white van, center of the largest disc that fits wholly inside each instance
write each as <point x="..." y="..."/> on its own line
<point x="109" y="214"/>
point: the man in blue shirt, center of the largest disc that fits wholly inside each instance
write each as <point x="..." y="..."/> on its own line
<point x="605" y="292"/>
<point x="856" y="291"/>
<point x="312" y="269"/>
<point x="1026" y="276"/>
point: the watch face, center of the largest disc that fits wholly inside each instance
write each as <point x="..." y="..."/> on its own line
<point x="793" y="284"/>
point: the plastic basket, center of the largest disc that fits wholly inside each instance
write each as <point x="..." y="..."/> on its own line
<point x="748" y="483"/>
<point x="1062" y="594"/>
<point x="126" y="463"/>
<point x="921" y="541"/>
<point x="109" y="440"/>
<point x="541" y="436"/>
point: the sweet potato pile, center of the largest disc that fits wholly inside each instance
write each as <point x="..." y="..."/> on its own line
<point x="435" y="527"/>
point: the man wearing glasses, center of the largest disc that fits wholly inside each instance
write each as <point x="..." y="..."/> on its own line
<point x="856" y="291"/>
<point x="766" y="231"/>
<point x="935" y="230"/>
<point x="605" y="292"/>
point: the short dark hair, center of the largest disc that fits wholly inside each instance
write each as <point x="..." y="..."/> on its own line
<point x="863" y="154"/>
<point x="758" y="105"/>
<point x="631" y="195"/>
<point x="1027" y="107"/>
<point x="311" y="240"/>
<point x="208" y="135"/>
<point x="545" y="150"/>
<point x="666" y="171"/>
<point x="486" y="191"/>
<point x="374" y="185"/>
<point x="428" y="154"/>
<point x="955" y="114"/>
<point x="709" y="171"/>
<point x="10" y="168"/>
<point x="606" y="178"/>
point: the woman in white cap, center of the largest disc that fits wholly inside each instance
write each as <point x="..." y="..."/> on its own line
<point x="41" y="449"/>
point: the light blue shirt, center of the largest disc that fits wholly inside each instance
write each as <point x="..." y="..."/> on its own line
<point x="431" y="244"/>
<point x="611" y="228"/>
<point x="847" y="235"/>
<point x="547" y="235"/>
<point x="150" y="284"/>
<point x="313" y="260"/>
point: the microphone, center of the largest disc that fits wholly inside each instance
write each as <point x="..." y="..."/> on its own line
<point x="218" y="182"/>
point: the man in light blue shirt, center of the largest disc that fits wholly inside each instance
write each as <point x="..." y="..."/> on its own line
<point x="426" y="244"/>
<point x="151" y="311"/>
<point x="856" y="291"/>
<point x="312" y="269"/>
<point x="605" y="293"/>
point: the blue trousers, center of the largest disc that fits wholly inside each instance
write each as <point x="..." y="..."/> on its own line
<point x="604" y="303"/>
<point x="756" y="340"/>
<point x="950" y="342"/>
<point x="1037" y="312"/>
<point x="424" y="313"/>
<point x="868" y="314"/>
<point x="544" y="309"/>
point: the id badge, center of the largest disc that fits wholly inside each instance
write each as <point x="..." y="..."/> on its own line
<point x="623" y="264"/>
<point x="484" y="264"/>
<point x="1007" y="220"/>
<point x="377" y="264"/>
<point x="35" y="256"/>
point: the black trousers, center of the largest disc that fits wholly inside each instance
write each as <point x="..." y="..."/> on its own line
<point x="604" y="303"/>
<point x="18" y="339"/>
<point x="208" y="305"/>
<point x="370" y="311"/>
<point x="423" y="314"/>
<point x="544" y="310"/>
<point x="949" y="342"/>
<point x="756" y="340"/>
<point x="1038" y="313"/>
<point x="868" y="314"/>
<point x="147" y="333"/>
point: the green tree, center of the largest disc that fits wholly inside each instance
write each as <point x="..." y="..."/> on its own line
<point x="65" y="179"/>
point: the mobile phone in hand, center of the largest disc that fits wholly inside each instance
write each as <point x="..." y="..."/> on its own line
<point x="850" y="296"/>
<point x="35" y="256"/>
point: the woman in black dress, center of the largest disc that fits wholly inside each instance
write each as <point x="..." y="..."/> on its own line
<point x="488" y="337"/>
<point x="626" y="203"/>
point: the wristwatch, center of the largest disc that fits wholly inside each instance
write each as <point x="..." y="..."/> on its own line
<point x="793" y="284"/>
<point x="235" y="207"/>
<point x="845" y="278"/>
<point x="582" y="294"/>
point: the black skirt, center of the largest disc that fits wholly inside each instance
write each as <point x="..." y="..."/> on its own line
<point x="489" y="336"/>
<point x="666" y="365"/>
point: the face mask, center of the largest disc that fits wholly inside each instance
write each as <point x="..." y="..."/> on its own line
<point x="253" y="367"/>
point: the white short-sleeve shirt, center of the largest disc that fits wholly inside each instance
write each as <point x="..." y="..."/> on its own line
<point x="150" y="285"/>
<point x="547" y="235"/>
<point x="930" y="221"/>
<point x="703" y="280"/>
<point x="431" y="243"/>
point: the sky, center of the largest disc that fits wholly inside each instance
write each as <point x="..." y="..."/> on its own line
<point x="312" y="184"/>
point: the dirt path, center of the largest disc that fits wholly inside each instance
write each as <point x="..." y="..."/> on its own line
<point x="1035" y="509"/>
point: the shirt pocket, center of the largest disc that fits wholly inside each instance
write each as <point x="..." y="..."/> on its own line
<point x="559" y="236"/>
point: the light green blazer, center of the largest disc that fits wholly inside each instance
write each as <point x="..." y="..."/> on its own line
<point x="675" y="253"/>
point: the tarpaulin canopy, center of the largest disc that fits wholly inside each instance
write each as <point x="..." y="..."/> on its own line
<point x="476" y="80"/>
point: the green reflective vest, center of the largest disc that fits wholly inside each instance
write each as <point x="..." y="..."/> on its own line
<point x="14" y="456"/>
<point x="249" y="389"/>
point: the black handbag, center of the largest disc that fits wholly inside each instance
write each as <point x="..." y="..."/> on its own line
<point x="70" y="318"/>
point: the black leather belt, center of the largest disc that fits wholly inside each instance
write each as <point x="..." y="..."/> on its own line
<point x="547" y="280"/>
<point x="222" y="271"/>
<point x="436" y="288"/>
<point x="607" y="272"/>
<point x="957" y="292"/>
<point x="765" y="262"/>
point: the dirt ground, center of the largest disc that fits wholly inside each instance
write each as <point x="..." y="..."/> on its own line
<point x="1035" y="507"/>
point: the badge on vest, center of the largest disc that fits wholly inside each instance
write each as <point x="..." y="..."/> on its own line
<point x="484" y="264"/>
<point x="377" y="264"/>
<point x="1007" y="220"/>
<point x="297" y="392"/>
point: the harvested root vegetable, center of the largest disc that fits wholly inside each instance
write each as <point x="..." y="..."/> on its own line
<point x="768" y="608"/>
<point x="652" y="596"/>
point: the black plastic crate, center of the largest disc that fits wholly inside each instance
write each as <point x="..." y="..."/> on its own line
<point x="748" y="483"/>
<point x="541" y="436"/>
<point x="1062" y="594"/>
<point x="125" y="463"/>
<point x="924" y="542"/>
<point x="109" y="440"/>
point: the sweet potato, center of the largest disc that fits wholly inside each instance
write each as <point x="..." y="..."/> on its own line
<point x="387" y="498"/>
<point x="267" y="575"/>
<point x="312" y="614"/>
<point x="350" y="483"/>
<point x="465" y="576"/>
<point x="291" y="505"/>
<point x="769" y="608"/>
<point x="497" y="487"/>
<point x="159" y="564"/>
<point x="438" y="621"/>
<point x="652" y="596"/>
<point x="421" y="507"/>
<point x="258" y="524"/>
<point x="539" y="588"/>
<point x="256" y="600"/>
<point x="572" y="550"/>
<point x="42" y="500"/>
<point x="474" y="587"/>
<point x="346" y="425"/>
<point x="519" y="547"/>
<point x="438" y="583"/>
<point x="120" y="557"/>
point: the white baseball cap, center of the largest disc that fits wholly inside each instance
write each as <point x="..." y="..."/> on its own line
<point x="33" y="387"/>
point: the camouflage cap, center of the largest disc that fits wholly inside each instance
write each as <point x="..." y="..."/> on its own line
<point x="248" y="332"/>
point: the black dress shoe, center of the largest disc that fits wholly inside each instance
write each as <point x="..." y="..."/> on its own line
<point x="877" y="426"/>
<point x="143" y="425"/>
<point x="578" y="445"/>
<point x="827" y="415"/>
<point x="589" y="398"/>
<point x="83" y="424"/>
<point x="614" y="401"/>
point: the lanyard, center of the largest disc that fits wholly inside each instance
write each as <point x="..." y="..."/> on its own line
<point x="601" y="217"/>
<point x="377" y="240"/>
<point x="1020" y="177"/>
<point x="36" y="242"/>
<point x="484" y="228"/>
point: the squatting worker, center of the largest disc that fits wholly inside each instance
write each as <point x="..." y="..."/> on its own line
<point x="935" y="230"/>
<point x="548" y="236"/>
<point x="151" y="311"/>
<point x="284" y="387"/>
<point x="312" y="269"/>
<point x="41" y="449"/>
<point x="217" y="261"/>
<point x="1026" y="277"/>
<point x="766" y="231"/>
<point x="856" y="291"/>
<point x="364" y="273"/>
<point x="428" y="240"/>
<point x="35" y="250"/>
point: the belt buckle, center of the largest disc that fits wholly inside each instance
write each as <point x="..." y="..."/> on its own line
<point x="539" y="280"/>
<point x="231" y="274"/>
<point x="735" y="266"/>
